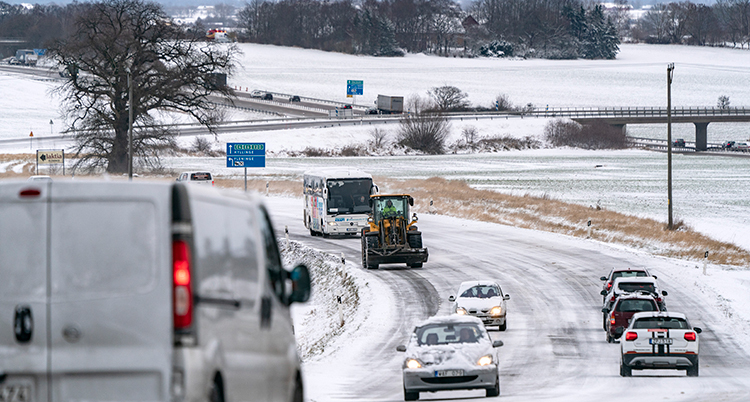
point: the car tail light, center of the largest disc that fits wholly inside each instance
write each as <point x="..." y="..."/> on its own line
<point x="631" y="336"/>
<point x="612" y="299"/>
<point x="30" y="192"/>
<point x="609" y="286"/>
<point x="181" y="291"/>
<point x="690" y="336"/>
<point x="612" y="319"/>
<point x="212" y="183"/>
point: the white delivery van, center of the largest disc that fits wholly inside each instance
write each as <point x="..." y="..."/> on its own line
<point x="118" y="291"/>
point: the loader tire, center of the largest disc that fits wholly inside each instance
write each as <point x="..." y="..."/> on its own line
<point x="415" y="240"/>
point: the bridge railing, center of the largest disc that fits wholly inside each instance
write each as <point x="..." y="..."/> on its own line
<point x="639" y="111"/>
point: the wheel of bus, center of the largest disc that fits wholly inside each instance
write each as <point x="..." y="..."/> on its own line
<point x="313" y="233"/>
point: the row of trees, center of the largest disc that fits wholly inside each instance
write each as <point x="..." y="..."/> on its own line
<point x="552" y="28"/>
<point x="696" y="24"/>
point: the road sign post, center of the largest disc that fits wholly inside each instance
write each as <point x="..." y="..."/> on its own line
<point x="246" y="155"/>
<point x="50" y="157"/>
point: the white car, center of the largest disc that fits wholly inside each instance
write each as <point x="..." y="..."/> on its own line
<point x="196" y="177"/>
<point x="659" y="340"/>
<point x="449" y="353"/>
<point x="482" y="299"/>
<point x="639" y="284"/>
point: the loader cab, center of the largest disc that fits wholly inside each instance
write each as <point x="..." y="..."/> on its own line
<point x="387" y="207"/>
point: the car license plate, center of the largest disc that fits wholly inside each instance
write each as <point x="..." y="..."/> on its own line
<point x="351" y="229"/>
<point x="660" y="341"/>
<point x="449" y="373"/>
<point x="15" y="393"/>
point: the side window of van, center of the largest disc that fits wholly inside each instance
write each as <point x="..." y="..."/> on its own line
<point x="273" y="257"/>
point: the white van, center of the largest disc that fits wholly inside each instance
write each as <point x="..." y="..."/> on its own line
<point x="196" y="177"/>
<point x="116" y="291"/>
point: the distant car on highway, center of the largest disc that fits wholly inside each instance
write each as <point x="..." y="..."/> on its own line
<point x="196" y="177"/>
<point x="39" y="178"/>
<point x="14" y="61"/>
<point x="679" y="143"/>
<point x="294" y="98"/>
<point x="256" y="93"/>
<point x="742" y="146"/>
<point x="450" y="353"/>
<point x="622" y="273"/>
<point x="346" y="107"/>
<point x="267" y="96"/>
<point x="372" y="110"/>
<point x="623" y="309"/>
<point x="660" y="340"/>
<point x="630" y="285"/>
<point x="482" y="299"/>
<point x="728" y="144"/>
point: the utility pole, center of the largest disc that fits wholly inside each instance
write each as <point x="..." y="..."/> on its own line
<point x="670" y="73"/>
<point x="130" y="126"/>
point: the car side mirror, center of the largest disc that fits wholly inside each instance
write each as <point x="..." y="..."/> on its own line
<point x="603" y="293"/>
<point x="664" y="293"/>
<point x="619" y="331"/>
<point x="605" y="310"/>
<point x="654" y="276"/>
<point x="603" y="278"/>
<point x="401" y="348"/>
<point x="300" y="277"/>
<point x="506" y="297"/>
<point x="452" y="298"/>
<point x="497" y="344"/>
<point x="698" y="329"/>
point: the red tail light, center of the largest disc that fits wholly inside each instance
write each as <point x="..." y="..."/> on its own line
<point x="612" y="319"/>
<point x="182" y="293"/>
<point x="631" y="336"/>
<point x="609" y="285"/>
<point x="690" y="336"/>
<point x="612" y="299"/>
<point x="30" y="192"/>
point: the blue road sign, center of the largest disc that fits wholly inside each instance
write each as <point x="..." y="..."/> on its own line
<point x="246" y="161"/>
<point x="246" y="149"/>
<point x="355" y="87"/>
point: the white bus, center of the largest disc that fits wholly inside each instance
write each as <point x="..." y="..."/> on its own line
<point x="337" y="201"/>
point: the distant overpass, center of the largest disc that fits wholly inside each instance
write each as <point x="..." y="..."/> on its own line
<point x="622" y="116"/>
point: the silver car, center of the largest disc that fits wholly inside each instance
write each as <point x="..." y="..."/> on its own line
<point x="484" y="300"/>
<point x="450" y="353"/>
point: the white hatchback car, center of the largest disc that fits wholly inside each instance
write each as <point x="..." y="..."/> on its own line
<point x="659" y="340"/>
<point x="196" y="177"/>
<point x="484" y="300"/>
<point x="449" y="353"/>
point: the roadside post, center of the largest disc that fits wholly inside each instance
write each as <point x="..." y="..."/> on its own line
<point x="705" y="262"/>
<point x="246" y="155"/>
<point x="589" y="225"/>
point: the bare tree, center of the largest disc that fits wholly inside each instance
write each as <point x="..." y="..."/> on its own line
<point x="424" y="132"/>
<point x="115" y="39"/>
<point x="448" y="98"/>
<point x="723" y="102"/>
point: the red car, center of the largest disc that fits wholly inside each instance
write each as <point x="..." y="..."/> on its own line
<point x="623" y="309"/>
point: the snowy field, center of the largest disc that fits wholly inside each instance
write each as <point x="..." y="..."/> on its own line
<point x="710" y="193"/>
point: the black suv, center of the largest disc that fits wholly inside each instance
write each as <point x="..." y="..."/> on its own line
<point x="679" y="143"/>
<point x="267" y="96"/>
<point x="294" y="98"/>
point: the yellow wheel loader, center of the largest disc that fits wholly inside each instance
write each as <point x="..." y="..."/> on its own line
<point x="391" y="236"/>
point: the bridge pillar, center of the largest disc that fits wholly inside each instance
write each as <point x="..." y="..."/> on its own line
<point x="701" y="136"/>
<point x="623" y="127"/>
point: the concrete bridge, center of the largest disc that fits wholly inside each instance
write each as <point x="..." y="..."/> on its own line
<point x="622" y="116"/>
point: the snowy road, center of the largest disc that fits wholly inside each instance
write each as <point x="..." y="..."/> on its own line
<point x="554" y="348"/>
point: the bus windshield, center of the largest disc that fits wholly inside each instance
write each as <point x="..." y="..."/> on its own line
<point x="349" y="196"/>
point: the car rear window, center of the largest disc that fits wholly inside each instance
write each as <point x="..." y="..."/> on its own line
<point x="200" y="176"/>
<point x="635" y="305"/>
<point x="661" y="323"/>
<point x="628" y="274"/>
<point x="635" y="287"/>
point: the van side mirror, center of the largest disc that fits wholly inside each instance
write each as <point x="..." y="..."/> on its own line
<point x="664" y="293"/>
<point x="401" y="348"/>
<point x="452" y="298"/>
<point x="300" y="277"/>
<point x="654" y="276"/>
<point x="506" y="297"/>
<point x="697" y="329"/>
<point x="603" y="293"/>
<point x="604" y="278"/>
<point x="497" y="344"/>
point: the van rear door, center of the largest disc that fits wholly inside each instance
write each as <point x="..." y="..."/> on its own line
<point x="23" y="291"/>
<point x="110" y="292"/>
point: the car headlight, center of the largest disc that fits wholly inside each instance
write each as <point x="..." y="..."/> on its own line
<point x="496" y="311"/>
<point x="413" y="364"/>
<point x="332" y="224"/>
<point x="485" y="360"/>
<point x="460" y="310"/>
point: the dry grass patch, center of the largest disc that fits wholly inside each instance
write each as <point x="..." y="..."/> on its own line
<point x="457" y="198"/>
